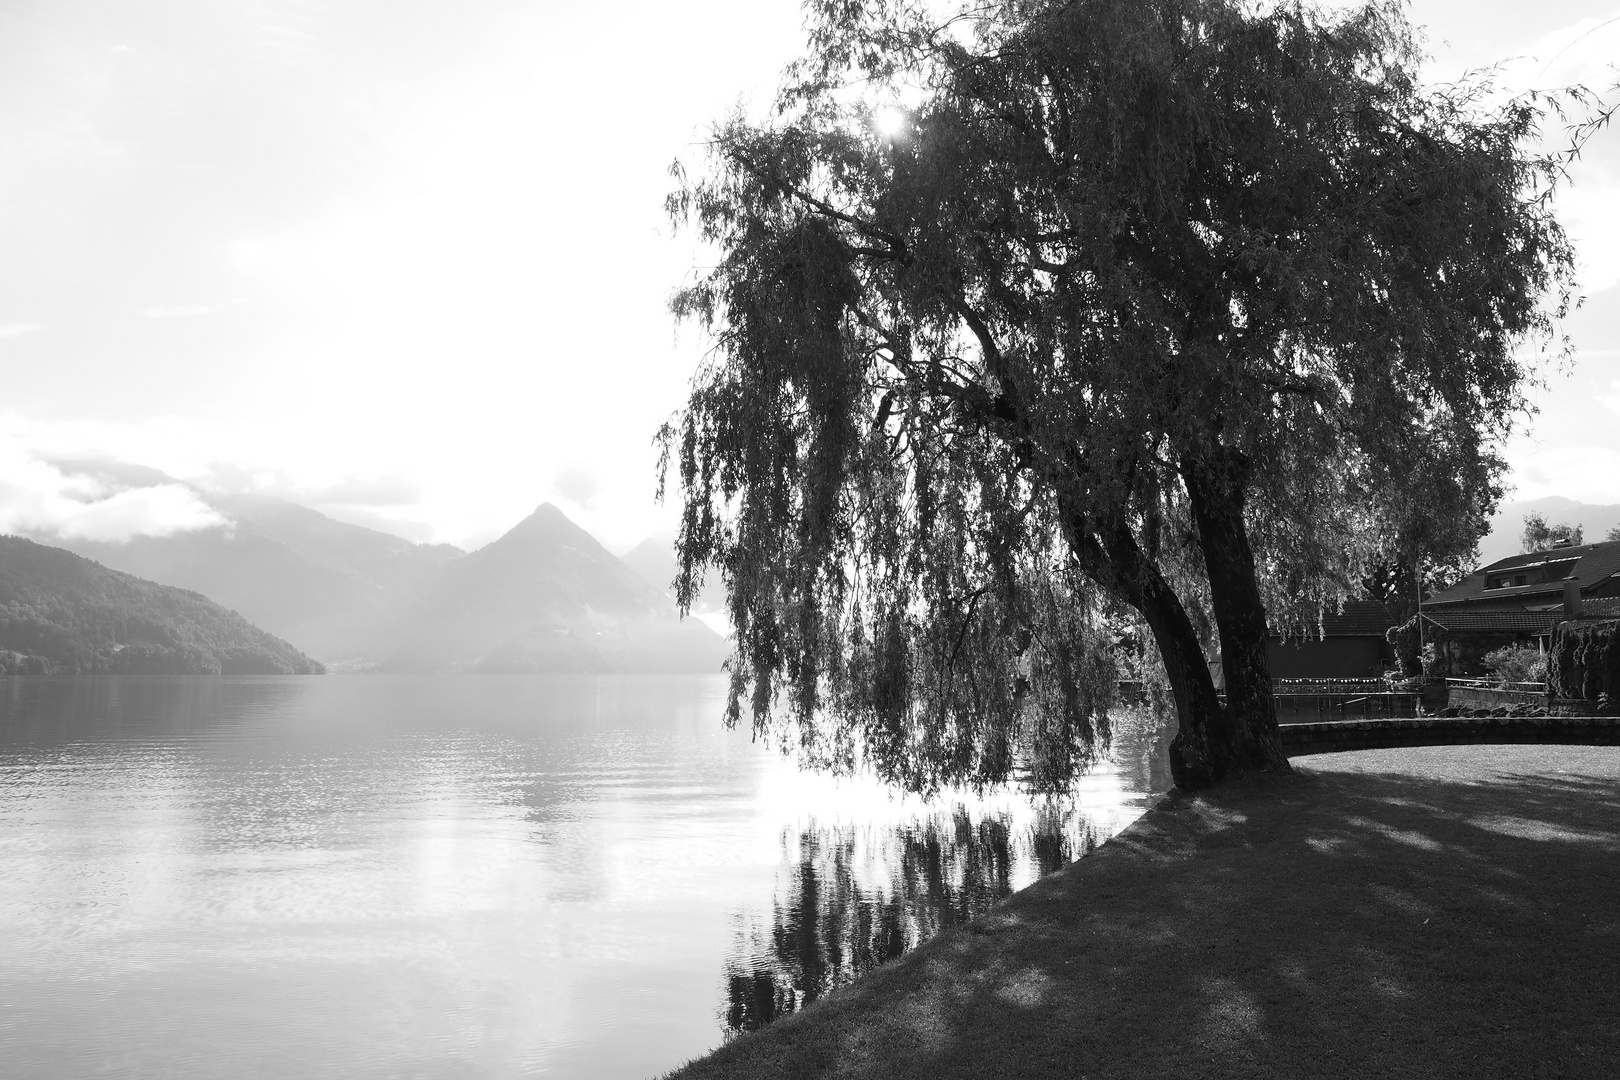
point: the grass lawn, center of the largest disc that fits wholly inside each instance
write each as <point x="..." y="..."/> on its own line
<point x="1429" y="912"/>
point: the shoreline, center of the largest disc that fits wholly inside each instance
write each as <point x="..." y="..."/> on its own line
<point x="1433" y="911"/>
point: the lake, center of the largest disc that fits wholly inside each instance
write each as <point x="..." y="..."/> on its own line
<point x="460" y="876"/>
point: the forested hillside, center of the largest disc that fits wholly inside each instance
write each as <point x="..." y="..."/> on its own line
<point x="61" y="614"/>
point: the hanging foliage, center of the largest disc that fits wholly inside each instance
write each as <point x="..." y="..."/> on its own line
<point x="1159" y="303"/>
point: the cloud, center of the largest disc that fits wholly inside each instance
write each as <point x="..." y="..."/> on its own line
<point x="179" y="311"/>
<point x="39" y="499"/>
<point x="1589" y="474"/>
<point x="579" y="486"/>
<point x="355" y="491"/>
<point x="342" y="490"/>
<point x="1611" y="400"/>
<point x="18" y="329"/>
<point x="186" y="311"/>
<point x="93" y="460"/>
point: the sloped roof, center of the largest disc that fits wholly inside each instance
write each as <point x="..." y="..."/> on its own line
<point x="1509" y="622"/>
<point x="1359" y="618"/>
<point x="1594" y="565"/>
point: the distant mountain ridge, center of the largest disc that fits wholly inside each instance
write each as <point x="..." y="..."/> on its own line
<point x="341" y="591"/>
<point x="62" y="614"/>
<point x="654" y="561"/>
<point x="543" y="597"/>
<point x="548" y="596"/>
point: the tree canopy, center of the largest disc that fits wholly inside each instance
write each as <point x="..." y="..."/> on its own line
<point x="1187" y="306"/>
<point x="1539" y="536"/>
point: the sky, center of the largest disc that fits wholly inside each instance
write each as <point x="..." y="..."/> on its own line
<point x="405" y="261"/>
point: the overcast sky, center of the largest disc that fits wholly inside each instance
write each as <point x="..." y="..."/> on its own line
<point x="405" y="260"/>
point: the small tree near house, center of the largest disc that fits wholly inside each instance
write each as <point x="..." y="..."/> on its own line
<point x="1539" y="536"/>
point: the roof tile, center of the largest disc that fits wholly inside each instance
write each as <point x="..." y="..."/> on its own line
<point x="1493" y="621"/>
<point x="1596" y="564"/>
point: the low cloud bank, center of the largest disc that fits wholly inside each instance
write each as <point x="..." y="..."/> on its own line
<point x="40" y="500"/>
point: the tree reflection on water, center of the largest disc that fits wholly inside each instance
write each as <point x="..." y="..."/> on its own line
<point x="850" y="897"/>
<point x="853" y="897"/>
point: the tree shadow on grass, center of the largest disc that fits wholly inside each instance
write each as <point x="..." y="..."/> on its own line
<point x="1445" y="911"/>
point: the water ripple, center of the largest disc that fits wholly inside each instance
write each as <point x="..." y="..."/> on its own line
<point x="455" y="876"/>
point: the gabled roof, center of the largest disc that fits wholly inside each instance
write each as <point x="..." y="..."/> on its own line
<point x="1358" y="618"/>
<point x="1594" y="565"/>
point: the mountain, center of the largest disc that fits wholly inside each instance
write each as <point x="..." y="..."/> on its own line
<point x="547" y="596"/>
<point x="341" y="591"/>
<point x="1508" y="523"/>
<point x="61" y="614"/>
<point x="653" y="560"/>
<point x="653" y="563"/>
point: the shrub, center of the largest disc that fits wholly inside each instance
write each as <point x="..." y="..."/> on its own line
<point x="1408" y="648"/>
<point x="1515" y="664"/>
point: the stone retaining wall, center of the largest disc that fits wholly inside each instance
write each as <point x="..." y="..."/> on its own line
<point x="1333" y="735"/>
<point x="1480" y="697"/>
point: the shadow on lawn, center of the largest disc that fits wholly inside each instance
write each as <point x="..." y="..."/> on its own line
<point x="1446" y="912"/>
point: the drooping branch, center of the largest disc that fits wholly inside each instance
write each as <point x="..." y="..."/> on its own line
<point x="1009" y="355"/>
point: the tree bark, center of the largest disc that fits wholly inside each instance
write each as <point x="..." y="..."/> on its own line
<point x="1202" y="753"/>
<point x="1217" y="485"/>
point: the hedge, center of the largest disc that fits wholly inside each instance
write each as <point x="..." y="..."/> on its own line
<point x="1585" y="661"/>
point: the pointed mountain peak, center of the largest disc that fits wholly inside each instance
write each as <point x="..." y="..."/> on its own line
<point x="547" y="525"/>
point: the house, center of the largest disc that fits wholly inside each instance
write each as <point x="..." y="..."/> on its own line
<point x="1536" y="582"/>
<point x="1513" y="601"/>
<point x="1352" y="644"/>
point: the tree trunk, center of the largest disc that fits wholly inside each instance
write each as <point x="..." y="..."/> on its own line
<point x="1202" y="752"/>
<point x="1217" y="484"/>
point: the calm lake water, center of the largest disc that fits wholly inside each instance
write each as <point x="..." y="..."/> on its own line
<point x="458" y="876"/>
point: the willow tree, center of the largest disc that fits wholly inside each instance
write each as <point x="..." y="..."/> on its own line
<point x="1167" y="303"/>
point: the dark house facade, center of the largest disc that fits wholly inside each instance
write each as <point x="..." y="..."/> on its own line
<point x="1353" y="644"/>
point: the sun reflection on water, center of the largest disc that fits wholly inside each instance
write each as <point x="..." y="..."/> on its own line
<point x="377" y="876"/>
<point x="867" y="874"/>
